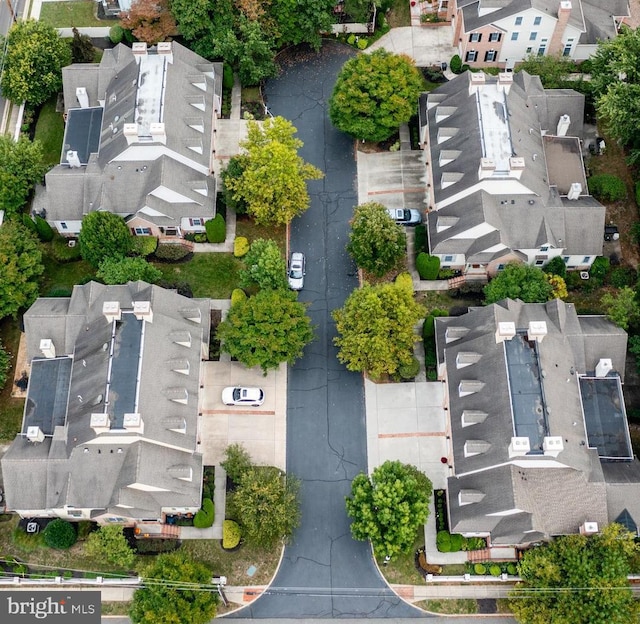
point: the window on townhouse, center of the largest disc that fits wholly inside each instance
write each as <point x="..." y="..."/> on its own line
<point x="63" y="225"/>
<point x="142" y="231"/>
<point x="471" y="56"/>
<point x="542" y="49"/>
<point x="490" y="56"/>
<point x="495" y="36"/>
<point x="475" y="37"/>
<point x="537" y="20"/>
<point x="501" y="267"/>
<point x="533" y="36"/>
<point x="566" y="259"/>
<point x="448" y="259"/>
<point x="518" y="21"/>
<point x="544" y="248"/>
<point x="539" y="262"/>
<point x="195" y="221"/>
<point x="514" y="36"/>
<point x="586" y="260"/>
<point x="529" y="50"/>
<point x="567" y="48"/>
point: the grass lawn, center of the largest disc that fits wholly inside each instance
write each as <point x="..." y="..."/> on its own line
<point x="50" y="132"/>
<point x="457" y="606"/>
<point x="212" y="275"/>
<point x="399" y="14"/>
<point x="68" y="14"/>
<point x="251" y="94"/>
<point x="115" y="608"/>
<point x="402" y="569"/>
<point x="62" y="275"/>
<point x="248" y="228"/>
<point x="10" y="409"/>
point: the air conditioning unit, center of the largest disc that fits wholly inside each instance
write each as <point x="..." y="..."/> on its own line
<point x="72" y="243"/>
<point x="584" y="275"/>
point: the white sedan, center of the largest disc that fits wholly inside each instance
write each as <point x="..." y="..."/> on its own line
<point x="296" y="271"/>
<point x="253" y="397"/>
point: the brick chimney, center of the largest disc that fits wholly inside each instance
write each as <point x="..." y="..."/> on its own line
<point x="564" y="12"/>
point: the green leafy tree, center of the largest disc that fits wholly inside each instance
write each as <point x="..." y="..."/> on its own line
<point x="20" y="168"/>
<point x="43" y="229"/>
<point x="388" y="507"/>
<point x="237" y="462"/>
<point x="264" y="266"/>
<point x="553" y="69"/>
<point x="82" y="50"/>
<point x="60" y="534"/>
<point x="20" y="268"/>
<point x="519" y="281"/>
<point x="104" y="235"/>
<point x="32" y="62"/>
<point x="273" y="180"/>
<point x="577" y="579"/>
<point x="266" y="505"/>
<point x="302" y="22"/>
<point x="556" y="266"/>
<point x="5" y="365"/>
<point x="149" y="20"/>
<point x="122" y="270"/>
<point x="231" y="178"/>
<point x="177" y="590"/>
<point x="622" y="308"/>
<point x="374" y="94"/>
<point x="376" y="241"/>
<point x="109" y="544"/>
<point x="375" y="328"/>
<point x="607" y="187"/>
<point x="359" y="10"/>
<point x="266" y="329"/>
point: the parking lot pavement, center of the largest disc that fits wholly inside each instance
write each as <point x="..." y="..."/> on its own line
<point x="261" y="430"/>
<point x="394" y="179"/>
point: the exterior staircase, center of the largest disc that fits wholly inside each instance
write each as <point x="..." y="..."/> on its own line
<point x="456" y="282"/>
<point x="479" y="556"/>
<point x="171" y="531"/>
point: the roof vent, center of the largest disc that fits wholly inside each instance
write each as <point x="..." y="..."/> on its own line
<point x="48" y="349"/>
<point x="83" y="98"/>
<point x="139" y="48"/>
<point x="487" y="168"/>
<point x="158" y="133"/>
<point x="142" y="311"/>
<point x="574" y="190"/>
<point x="505" y="80"/>
<point x="130" y="131"/>
<point x="563" y="125"/>
<point x="73" y="159"/>
<point x="552" y="445"/>
<point x="588" y="528"/>
<point x="35" y="434"/>
<point x="111" y="311"/>
<point x="537" y="330"/>
<point x="164" y="49"/>
<point x="519" y="446"/>
<point x="476" y="80"/>
<point x="516" y="166"/>
<point x="506" y="331"/>
<point x="603" y="367"/>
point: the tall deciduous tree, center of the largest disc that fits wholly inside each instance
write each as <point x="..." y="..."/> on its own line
<point x="266" y="505"/>
<point x="374" y="94"/>
<point x="375" y="328"/>
<point x="578" y="580"/>
<point x="149" y="20"/>
<point x="266" y="329"/>
<point x="622" y="308"/>
<point x="264" y="266"/>
<point x="388" y="507"/>
<point x="302" y="22"/>
<point x="122" y="270"/>
<point x="176" y="589"/>
<point x="20" y="168"/>
<point x="376" y="241"/>
<point x="615" y="76"/>
<point x="20" y="268"/>
<point x="109" y="544"/>
<point x="519" y="281"/>
<point x="32" y="62"/>
<point x="273" y="179"/>
<point x="104" y="235"/>
<point x="552" y="69"/>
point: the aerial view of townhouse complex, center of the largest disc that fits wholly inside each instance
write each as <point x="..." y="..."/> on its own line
<point x="320" y="310"/>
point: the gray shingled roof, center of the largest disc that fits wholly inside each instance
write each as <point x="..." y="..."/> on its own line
<point x="59" y="471"/>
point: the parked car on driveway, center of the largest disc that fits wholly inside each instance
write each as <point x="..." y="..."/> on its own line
<point x="253" y="397"/>
<point x="405" y="216"/>
<point x="296" y="272"/>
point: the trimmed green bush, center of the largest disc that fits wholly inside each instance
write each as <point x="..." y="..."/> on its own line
<point x="44" y="230"/>
<point x="116" y="34"/>
<point x="607" y="187"/>
<point x="455" y="64"/>
<point x="61" y="250"/>
<point x="404" y="279"/>
<point x="410" y="370"/>
<point x="556" y="266"/>
<point x="29" y="222"/>
<point x="428" y="327"/>
<point x="362" y="43"/>
<point x="480" y="569"/>
<point x="351" y="39"/>
<point x="427" y="266"/>
<point x="598" y="271"/>
<point x="172" y="252"/>
<point x="512" y="569"/>
<point x="227" y="76"/>
<point x="495" y="570"/>
<point x="456" y="542"/>
<point x="237" y="296"/>
<point x="231" y="534"/>
<point x="623" y="276"/>
<point x="204" y="517"/>
<point x="474" y="543"/>
<point x="216" y="229"/>
<point x="443" y="541"/>
<point x="420" y="243"/>
<point x="144" y="245"/>
<point x="241" y="246"/>
<point x="60" y="534"/>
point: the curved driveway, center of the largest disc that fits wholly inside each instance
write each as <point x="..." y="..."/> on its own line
<point x="324" y="573"/>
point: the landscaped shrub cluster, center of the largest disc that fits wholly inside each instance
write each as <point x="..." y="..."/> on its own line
<point x="216" y="229"/>
<point x="60" y="534"/>
<point x="420" y="242"/>
<point x="208" y="482"/>
<point x="241" y="246"/>
<point x="409" y="370"/>
<point x="429" y="343"/>
<point x="455" y="64"/>
<point x="204" y="517"/>
<point x="427" y="266"/>
<point x="196" y="237"/>
<point x="495" y="568"/>
<point x="231" y="534"/>
<point x="43" y="229"/>
<point x="442" y="521"/>
<point x="607" y="187"/>
<point x="5" y="365"/>
<point x="454" y="542"/>
<point x="172" y="252"/>
<point x="144" y="245"/>
<point x="237" y="296"/>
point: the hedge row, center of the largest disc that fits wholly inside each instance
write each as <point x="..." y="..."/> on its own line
<point x="204" y="517"/>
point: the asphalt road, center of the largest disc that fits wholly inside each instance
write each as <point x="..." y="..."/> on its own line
<point x="325" y="573"/>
